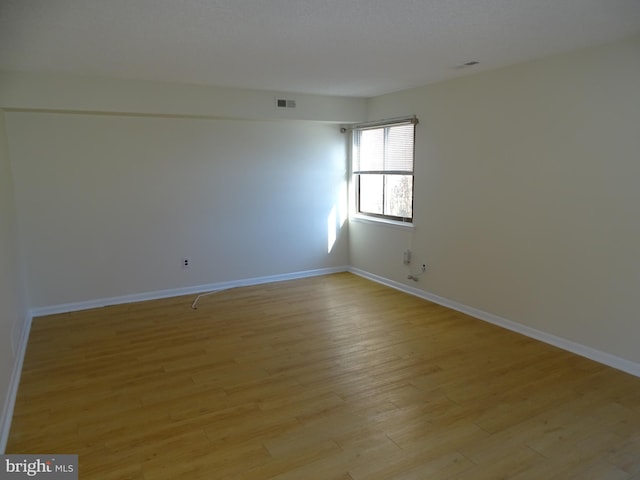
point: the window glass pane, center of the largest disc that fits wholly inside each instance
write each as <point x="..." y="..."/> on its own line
<point x="398" y="195"/>
<point x="382" y="160"/>
<point x="371" y="149"/>
<point x="371" y="192"/>
<point x="400" y="148"/>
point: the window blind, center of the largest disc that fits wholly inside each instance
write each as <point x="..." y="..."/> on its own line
<point x="384" y="149"/>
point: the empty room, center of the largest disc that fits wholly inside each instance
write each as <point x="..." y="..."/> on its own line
<point x="317" y="240"/>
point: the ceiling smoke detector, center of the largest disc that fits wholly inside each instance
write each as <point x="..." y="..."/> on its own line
<point x="472" y="63"/>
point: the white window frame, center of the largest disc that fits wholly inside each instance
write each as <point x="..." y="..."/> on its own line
<point x="356" y="172"/>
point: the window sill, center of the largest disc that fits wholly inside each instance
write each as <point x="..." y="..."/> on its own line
<point x="380" y="221"/>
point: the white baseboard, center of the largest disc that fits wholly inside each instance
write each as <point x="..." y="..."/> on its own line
<point x="176" y="292"/>
<point x="12" y="392"/>
<point x="608" y="359"/>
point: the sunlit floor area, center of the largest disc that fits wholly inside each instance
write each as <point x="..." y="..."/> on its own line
<point x="331" y="377"/>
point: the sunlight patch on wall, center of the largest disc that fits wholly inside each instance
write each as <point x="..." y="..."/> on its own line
<point x="337" y="217"/>
<point x="332" y="229"/>
<point x="343" y="205"/>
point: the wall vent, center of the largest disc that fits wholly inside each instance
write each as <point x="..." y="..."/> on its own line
<point x="285" y="103"/>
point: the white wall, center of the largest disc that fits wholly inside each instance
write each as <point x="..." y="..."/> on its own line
<point x="527" y="202"/>
<point x="20" y="90"/>
<point x="110" y="204"/>
<point x="106" y="184"/>
<point x="13" y="305"/>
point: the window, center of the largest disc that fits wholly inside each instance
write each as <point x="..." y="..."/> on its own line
<point x="382" y="159"/>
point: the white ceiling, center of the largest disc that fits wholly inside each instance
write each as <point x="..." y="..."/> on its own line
<point x="348" y="47"/>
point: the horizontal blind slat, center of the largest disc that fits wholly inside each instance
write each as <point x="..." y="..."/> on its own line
<point x="383" y="172"/>
<point x="383" y="149"/>
<point x="399" y="148"/>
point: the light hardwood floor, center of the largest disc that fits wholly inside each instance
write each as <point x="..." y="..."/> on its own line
<point x="326" y="378"/>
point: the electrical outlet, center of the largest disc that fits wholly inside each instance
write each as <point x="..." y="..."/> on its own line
<point x="186" y="262"/>
<point x="423" y="267"/>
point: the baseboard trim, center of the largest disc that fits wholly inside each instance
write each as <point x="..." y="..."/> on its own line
<point x="176" y="292"/>
<point x="14" y="383"/>
<point x="599" y="356"/>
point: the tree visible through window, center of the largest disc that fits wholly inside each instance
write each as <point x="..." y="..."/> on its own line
<point x="382" y="157"/>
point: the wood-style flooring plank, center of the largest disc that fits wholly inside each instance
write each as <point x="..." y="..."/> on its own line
<point x="332" y="378"/>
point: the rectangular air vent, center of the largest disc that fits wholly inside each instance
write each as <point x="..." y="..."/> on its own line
<point x="285" y="103"/>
